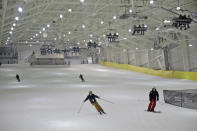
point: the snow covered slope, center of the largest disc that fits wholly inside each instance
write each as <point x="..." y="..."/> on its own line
<point x="47" y="99"/>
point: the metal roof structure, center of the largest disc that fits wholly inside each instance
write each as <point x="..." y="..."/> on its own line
<point x="78" y="21"/>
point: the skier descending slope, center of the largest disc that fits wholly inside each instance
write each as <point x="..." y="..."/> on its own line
<point x="81" y="77"/>
<point x="153" y="96"/>
<point x="92" y="98"/>
<point x="18" y="78"/>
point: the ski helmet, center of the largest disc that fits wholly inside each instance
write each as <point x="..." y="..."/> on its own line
<point x="154" y="88"/>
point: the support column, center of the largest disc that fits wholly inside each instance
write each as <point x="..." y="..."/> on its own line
<point x="105" y="54"/>
<point x="149" y="58"/>
<point x="166" y="61"/>
<point x="137" y="58"/>
<point x="125" y="56"/>
<point x="185" y="55"/>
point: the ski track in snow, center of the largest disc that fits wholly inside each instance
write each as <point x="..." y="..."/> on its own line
<point x="47" y="99"/>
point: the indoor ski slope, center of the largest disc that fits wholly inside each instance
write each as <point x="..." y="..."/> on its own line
<point x="47" y="99"/>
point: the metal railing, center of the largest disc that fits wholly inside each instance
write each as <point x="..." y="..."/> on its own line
<point x="182" y="98"/>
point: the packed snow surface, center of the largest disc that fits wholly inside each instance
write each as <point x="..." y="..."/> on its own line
<point x="48" y="99"/>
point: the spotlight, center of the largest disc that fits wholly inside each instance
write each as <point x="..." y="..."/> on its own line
<point x="83" y="26"/>
<point x="16" y="18"/>
<point x="69" y="10"/>
<point x="178" y="8"/>
<point x="151" y="2"/>
<point x="20" y="9"/>
<point x="82" y="1"/>
<point x="61" y="16"/>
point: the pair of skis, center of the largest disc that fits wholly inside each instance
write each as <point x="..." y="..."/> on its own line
<point x="153" y="111"/>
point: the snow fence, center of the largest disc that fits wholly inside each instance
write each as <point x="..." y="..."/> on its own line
<point x="182" y="98"/>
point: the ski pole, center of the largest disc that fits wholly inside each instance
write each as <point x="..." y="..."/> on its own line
<point x="80" y="107"/>
<point x="106" y="100"/>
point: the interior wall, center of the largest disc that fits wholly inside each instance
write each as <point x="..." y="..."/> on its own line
<point x="176" y="59"/>
<point x="180" y="58"/>
<point x="193" y="56"/>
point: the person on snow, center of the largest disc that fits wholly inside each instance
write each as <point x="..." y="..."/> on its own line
<point x="153" y="96"/>
<point x="18" y="78"/>
<point x="92" y="98"/>
<point x="81" y="77"/>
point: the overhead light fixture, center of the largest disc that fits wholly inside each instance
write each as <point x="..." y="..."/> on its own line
<point x="36" y="34"/>
<point x="12" y="28"/>
<point x="84" y="40"/>
<point x="91" y="35"/>
<point x="166" y="21"/>
<point x="83" y="26"/>
<point x="152" y="49"/>
<point x="145" y="26"/>
<point x="82" y="1"/>
<point x="55" y="38"/>
<point x="130" y="11"/>
<point x="14" y="24"/>
<point x="31" y="38"/>
<point x="61" y="16"/>
<point x="151" y="2"/>
<point x="11" y="32"/>
<point x="90" y="40"/>
<point x="20" y="9"/>
<point x="129" y="30"/>
<point x="16" y="18"/>
<point x="190" y="45"/>
<point x="125" y="38"/>
<point x="6" y="43"/>
<point x="78" y="43"/>
<point x="30" y="45"/>
<point x="157" y="28"/>
<point x="26" y="42"/>
<point x="102" y="22"/>
<point x="69" y="10"/>
<point x="43" y="29"/>
<point x="136" y="48"/>
<point x="40" y="32"/>
<point x="64" y="35"/>
<point x="178" y="8"/>
<point x="48" y="25"/>
<point x="69" y="32"/>
<point x="114" y="17"/>
<point x="117" y="33"/>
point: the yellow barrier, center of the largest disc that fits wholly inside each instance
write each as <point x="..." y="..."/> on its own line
<point x="162" y="73"/>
